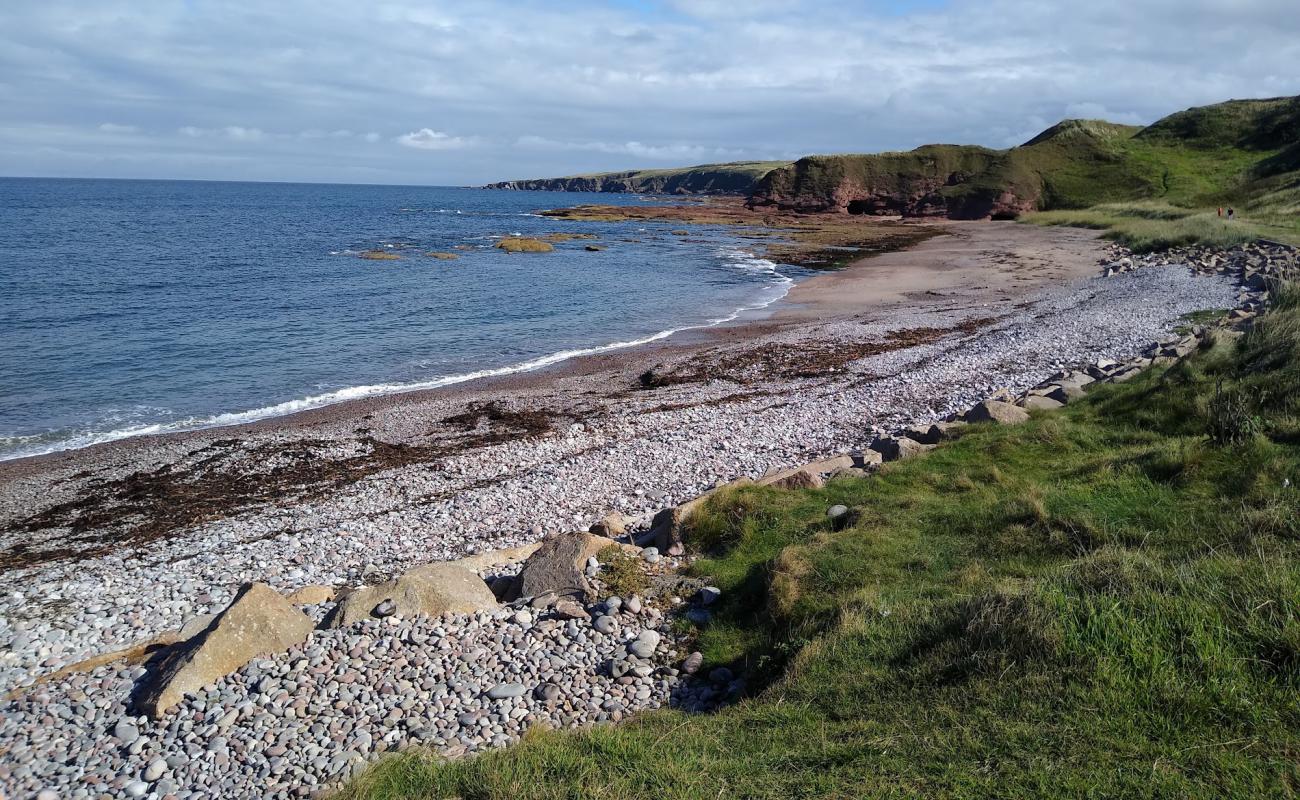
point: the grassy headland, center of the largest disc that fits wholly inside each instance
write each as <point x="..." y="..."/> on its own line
<point x="1240" y="152"/>
<point x="1102" y="602"/>
<point x="738" y="177"/>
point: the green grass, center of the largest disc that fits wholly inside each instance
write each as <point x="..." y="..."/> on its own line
<point x="621" y="572"/>
<point x="1148" y="226"/>
<point x="1244" y="154"/>
<point x="1098" y="603"/>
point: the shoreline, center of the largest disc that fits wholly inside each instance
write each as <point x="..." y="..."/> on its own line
<point x="803" y="300"/>
<point x="486" y="378"/>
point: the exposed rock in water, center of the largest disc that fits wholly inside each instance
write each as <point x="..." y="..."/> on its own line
<point x="522" y="244"/>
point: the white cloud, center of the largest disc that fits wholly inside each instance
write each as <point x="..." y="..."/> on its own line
<point x="619" y="85"/>
<point x="112" y="127"/>
<point x="664" y="152"/>
<point x="242" y="134"/>
<point x="429" y="139"/>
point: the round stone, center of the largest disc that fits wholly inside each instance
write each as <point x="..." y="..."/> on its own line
<point x="522" y="617"/>
<point x="693" y="663"/>
<point x="709" y="595"/>
<point x="136" y="789"/>
<point x="547" y="692"/>
<point x="387" y="608"/>
<point x="155" y="770"/>
<point x="503" y="691"/>
<point x="837" y="511"/>
<point x="126" y="732"/>
<point x="641" y="648"/>
<point x="604" y="623"/>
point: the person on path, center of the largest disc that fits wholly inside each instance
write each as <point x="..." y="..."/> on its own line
<point x="1220" y="210"/>
<point x="1231" y="212"/>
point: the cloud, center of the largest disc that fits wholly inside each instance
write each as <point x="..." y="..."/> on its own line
<point x="429" y="139"/>
<point x="242" y="134"/>
<point x="665" y="152"/>
<point x="621" y="85"/>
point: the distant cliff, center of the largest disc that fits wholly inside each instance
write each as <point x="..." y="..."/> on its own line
<point x="738" y="178"/>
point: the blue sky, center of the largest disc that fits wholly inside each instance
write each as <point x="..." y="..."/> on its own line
<point x="431" y="92"/>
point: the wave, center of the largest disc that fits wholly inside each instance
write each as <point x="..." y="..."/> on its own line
<point x="23" y="446"/>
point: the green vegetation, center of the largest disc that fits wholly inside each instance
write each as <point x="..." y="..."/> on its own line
<point x="1103" y="602"/>
<point x="621" y="572"/>
<point x="1244" y="153"/>
<point x="1149" y="226"/>
<point x="1206" y="317"/>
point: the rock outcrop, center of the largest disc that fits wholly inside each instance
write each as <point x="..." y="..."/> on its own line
<point x="258" y="622"/>
<point x="998" y="412"/>
<point x="559" y="567"/>
<point x="431" y="590"/>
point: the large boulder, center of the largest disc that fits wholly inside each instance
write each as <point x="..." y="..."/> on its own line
<point x="259" y="622"/>
<point x="611" y="526"/>
<point x="997" y="412"/>
<point x="431" y="590"/>
<point x="897" y="448"/>
<point x="559" y="566"/>
<point x="1040" y="403"/>
<point x="803" y="478"/>
<point x="931" y="434"/>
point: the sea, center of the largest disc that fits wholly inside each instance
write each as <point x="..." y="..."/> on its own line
<point x="139" y="307"/>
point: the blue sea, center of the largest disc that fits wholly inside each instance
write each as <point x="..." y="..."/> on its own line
<point x="131" y="307"/>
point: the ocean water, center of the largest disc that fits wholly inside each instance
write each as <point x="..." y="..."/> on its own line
<point x="130" y="307"/>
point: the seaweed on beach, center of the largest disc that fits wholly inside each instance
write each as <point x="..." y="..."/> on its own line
<point x="499" y="423"/>
<point x="227" y="477"/>
<point x="805" y="359"/>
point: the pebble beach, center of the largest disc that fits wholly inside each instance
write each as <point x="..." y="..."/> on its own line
<point x="360" y="492"/>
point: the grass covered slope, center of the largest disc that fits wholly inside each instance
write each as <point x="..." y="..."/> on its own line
<point x="734" y="178"/>
<point x="1220" y="154"/>
<point x="1102" y="602"/>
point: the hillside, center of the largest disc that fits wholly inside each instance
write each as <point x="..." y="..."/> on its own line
<point x="1240" y="151"/>
<point x="740" y="177"/>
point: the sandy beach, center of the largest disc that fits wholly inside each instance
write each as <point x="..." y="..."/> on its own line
<point x="110" y="545"/>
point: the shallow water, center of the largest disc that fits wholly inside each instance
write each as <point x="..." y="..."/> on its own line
<point x="132" y="307"/>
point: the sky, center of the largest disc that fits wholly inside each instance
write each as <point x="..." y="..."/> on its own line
<point x="466" y="92"/>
